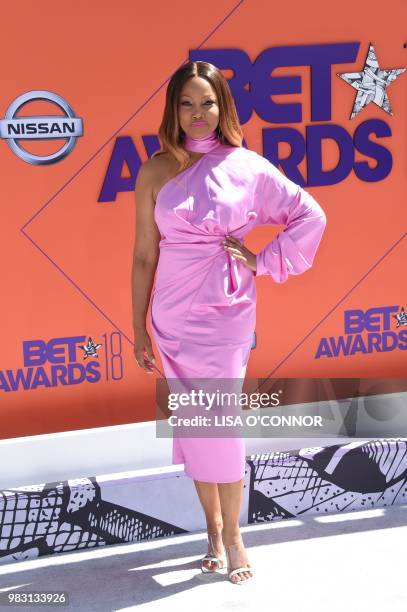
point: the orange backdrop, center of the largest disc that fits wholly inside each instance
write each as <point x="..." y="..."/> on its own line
<point x="67" y="242"/>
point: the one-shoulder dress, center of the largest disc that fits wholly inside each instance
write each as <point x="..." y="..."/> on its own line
<point x="203" y="305"/>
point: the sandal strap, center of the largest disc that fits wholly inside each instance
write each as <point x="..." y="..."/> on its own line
<point x="211" y="558"/>
<point x="240" y="569"/>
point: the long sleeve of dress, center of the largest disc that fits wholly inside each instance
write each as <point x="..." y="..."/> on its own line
<point x="283" y="202"/>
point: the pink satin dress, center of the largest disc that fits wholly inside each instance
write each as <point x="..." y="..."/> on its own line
<point x="203" y="307"/>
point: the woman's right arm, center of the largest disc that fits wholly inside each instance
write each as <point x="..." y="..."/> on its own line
<point x="145" y="259"/>
<point x="283" y="202"/>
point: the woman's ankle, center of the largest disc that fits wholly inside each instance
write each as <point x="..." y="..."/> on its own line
<point x="231" y="535"/>
<point x="214" y="528"/>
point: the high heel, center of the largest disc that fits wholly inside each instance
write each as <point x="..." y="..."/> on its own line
<point x="232" y="556"/>
<point x="218" y="562"/>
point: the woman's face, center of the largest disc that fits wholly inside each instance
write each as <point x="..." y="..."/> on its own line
<point x="198" y="104"/>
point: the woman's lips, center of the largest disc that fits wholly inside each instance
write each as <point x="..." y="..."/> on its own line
<point x="199" y="123"/>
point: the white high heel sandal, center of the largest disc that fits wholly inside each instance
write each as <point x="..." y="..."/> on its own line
<point x="219" y="562"/>
<point x="232" y="554"/>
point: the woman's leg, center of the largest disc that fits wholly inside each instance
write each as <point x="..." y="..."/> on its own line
<point x="209" y="497"/>
<point x="230" y="496"/>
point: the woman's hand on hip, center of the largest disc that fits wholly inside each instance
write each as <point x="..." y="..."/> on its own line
<point x="143" y="350"/>
<point x="238" y="251"/>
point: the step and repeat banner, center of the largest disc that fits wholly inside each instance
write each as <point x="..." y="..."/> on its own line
<point x="322" y="94"/>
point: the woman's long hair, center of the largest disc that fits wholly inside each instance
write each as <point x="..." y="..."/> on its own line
<point x="170" y="132"/>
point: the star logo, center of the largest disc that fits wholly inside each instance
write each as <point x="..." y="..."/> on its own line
<point x="371" y="84"/>
<point x="401" y="317"/>
<point x="90" y="349"/>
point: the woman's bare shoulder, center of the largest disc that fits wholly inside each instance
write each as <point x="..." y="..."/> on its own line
<point x="159" y="168"/>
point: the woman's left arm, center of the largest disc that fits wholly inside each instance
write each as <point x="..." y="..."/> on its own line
<point x="283" y="202"/>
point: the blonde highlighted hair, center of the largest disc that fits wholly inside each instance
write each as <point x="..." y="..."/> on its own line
<point x="170" y="132"/>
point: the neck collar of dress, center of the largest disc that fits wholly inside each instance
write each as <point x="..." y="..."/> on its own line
<point x="201" y="145"/>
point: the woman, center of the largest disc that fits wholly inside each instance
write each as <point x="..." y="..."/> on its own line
<point x="196" y="199"/>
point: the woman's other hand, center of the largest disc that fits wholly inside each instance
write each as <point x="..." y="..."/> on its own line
<point x="238" y="251"/>
<point x="143" y="351"/>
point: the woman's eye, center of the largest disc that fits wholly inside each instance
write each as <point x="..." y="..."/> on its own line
<point x="207" y="102"/>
